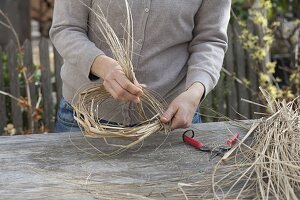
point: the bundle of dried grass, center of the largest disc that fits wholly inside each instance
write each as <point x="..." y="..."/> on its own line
<point x="266" y="163"/>
<point x="89" y="100"/>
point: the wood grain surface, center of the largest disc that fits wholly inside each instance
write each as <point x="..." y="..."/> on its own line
<point x="69" y="166"/>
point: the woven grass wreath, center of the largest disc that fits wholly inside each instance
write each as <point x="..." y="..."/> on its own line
<point x="84" y="107"/>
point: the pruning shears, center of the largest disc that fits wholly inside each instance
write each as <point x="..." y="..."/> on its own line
<point x="215" y="151"/>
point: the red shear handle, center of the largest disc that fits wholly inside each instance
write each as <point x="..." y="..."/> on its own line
<point x="232" y="140"/>
<point x="191" y="141"/>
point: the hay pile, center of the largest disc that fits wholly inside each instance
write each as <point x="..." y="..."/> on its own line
<point x="265" y="164"/>
<point x="269" y="167"/>
<point x="90" y="100"/>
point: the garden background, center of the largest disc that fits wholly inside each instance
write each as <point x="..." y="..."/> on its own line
<point x="263" y="52"/>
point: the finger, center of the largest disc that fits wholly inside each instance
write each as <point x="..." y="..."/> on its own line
<point x="122" y="94"/>
<point x="136" y="83"/>
<point x="109" y="89"/>
<point x="127" y="85"/>
<point x="168" y="115"/>
<point x="180" y="120"/>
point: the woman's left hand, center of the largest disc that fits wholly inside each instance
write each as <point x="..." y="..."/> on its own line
<point x="182" y="109"/>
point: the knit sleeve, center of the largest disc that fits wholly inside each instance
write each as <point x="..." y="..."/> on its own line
<point x="69" y="34"/>
<point x="209" y="43"/>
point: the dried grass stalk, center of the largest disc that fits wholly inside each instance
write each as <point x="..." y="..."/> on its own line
<point x="267" y="164"/>
<point x="85" y="113"/>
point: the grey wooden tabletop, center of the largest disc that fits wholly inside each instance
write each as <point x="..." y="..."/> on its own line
<point x="69" y="166"/>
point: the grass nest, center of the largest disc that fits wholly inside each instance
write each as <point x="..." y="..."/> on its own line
<point x="89" y="100"/>
<point x="86" y="115"/>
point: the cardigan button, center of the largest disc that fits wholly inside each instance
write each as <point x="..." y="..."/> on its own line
<point x="146" y="10"/>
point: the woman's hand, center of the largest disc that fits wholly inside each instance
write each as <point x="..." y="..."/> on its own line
<point x="115" y="81"/>
<point x="182" y="109"/>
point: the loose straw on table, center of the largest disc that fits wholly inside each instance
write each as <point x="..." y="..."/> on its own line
<point x="266" y="164"/>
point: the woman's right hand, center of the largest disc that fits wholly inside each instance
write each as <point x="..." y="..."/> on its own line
<point x="115" y="81"/>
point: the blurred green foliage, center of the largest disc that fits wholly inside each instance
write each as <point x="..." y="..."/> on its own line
<point x="288" y="9"/>
<point x="4" y="59"/>
<point x="269" y="18"/>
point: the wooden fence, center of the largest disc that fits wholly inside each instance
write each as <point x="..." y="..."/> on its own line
<point x="47" y="88"/>
<point x="224" y="99"/>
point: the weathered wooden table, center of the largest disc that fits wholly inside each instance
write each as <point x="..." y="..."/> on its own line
<point x="68" y="166"/>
